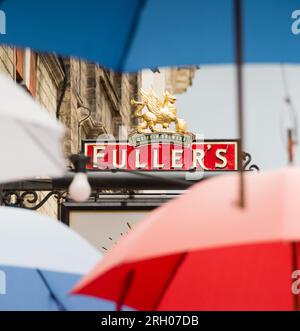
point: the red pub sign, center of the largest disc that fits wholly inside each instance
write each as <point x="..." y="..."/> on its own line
<point x="169" y="155"/>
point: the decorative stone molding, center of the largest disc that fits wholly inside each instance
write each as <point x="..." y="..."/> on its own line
<point x="92" y="129"/>
<point x="179" y="79"/>
<point x="109" y="90"/>
<point x="53" y="67"/>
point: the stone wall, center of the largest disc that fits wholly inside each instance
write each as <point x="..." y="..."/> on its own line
<point x="175" y="80"/>
<point x="49" y="75"/>
<point x="95" y="101"/>
<point x="7" y="60"/>
<point x="179" y="79"/>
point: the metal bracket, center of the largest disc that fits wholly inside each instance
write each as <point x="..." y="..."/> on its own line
<point x="25" y="194"/>
<point x="247" y="158"/>
<point x="29" y="199"/>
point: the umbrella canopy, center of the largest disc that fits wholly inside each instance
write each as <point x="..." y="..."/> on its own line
<point x="30" y="140"/>
<point x="203" y="252"/>
<point x="134" y="34"/>
<point x="40" y="261"/>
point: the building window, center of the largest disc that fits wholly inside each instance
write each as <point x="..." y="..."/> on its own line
<point x="26" y="69"/>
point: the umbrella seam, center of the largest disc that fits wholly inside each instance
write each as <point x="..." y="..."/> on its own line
<point x="131" y="34"/>
<point x="170" y="279"/>
<point x="59" y="304"/>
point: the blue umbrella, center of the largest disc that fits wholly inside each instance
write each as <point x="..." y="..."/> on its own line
<point x="134" y="34"/>
<point x="40" y="261"/>
<point x="33" y="289"/>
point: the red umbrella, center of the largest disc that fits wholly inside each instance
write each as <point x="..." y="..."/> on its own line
<point x="203" y="252"/>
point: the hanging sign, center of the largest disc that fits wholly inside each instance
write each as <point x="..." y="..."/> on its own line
<point x="212" y="155"/>
<point x="154" y="145"/>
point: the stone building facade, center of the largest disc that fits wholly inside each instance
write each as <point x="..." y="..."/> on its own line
<point x="88" y="99"/>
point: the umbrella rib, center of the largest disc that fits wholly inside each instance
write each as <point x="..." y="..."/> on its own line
<point x="132" y="32"/>
<point x="169" y="280"/>
<point x="39" y="144"/>
<point x="125" y="290"/>
<point x="59" y="304"/>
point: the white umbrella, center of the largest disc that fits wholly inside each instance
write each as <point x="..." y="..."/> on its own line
<point x="30" y="140"/>
<point x="43" y="259"/>
<point x="31" y="240"/>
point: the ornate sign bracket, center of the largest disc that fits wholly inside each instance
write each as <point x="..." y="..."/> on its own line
<point x="176" y="152"/>
<point x="26" y="194"/>
<point x="247" y="166"/>
<point x="30" y="199"/>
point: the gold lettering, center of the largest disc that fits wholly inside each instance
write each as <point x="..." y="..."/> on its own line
<point x="123" y="159"/>
<point x="98" y="153"/>
<point x="176" y="156"/>
<point x="222" y="158"/>
<point x="138" y="165"/>
<point x="198" y="156"/>
<point x="156" y="164"/>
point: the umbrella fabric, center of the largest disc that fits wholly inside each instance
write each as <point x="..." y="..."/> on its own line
<point x="40" y="261"/>
<point x="202" y="252"/>
<point x="134" y="34"/>
<point x="25" y="290"/>
<point x="30" y="140"/>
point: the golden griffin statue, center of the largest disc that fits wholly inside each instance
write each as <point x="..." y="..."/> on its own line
<point x="157" y="111"/>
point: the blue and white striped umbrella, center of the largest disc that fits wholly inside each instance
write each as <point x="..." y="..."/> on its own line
<point x="40" y="261"/>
